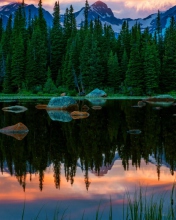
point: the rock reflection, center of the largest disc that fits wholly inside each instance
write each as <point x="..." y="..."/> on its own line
<point x="134" y="131"/>
<point x="57" y="115"/>
<point x="15" y="109"/>
<point x="18" y="131"/>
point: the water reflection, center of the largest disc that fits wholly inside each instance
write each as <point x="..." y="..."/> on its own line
<point x="95" y="154"/>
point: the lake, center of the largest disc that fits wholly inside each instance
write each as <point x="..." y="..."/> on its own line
<point x="83" y="167"/>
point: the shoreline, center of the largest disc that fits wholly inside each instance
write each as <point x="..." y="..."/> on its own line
<point x="44" y="97"/>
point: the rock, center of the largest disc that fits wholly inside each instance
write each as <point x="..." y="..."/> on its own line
<point x="157" y="108"/>
<point x="161" y="100"/>
<point x="62" y="103"/>
<point x="96" y="93"/>
<point x="141" y="104"/>
<point x="96" y="107"/>
<point x="136" y="106"/>
<point x="18" y="131"/>
<point x="134" y="131"/>
<point x="85" y="108"/>
<point x="79" y="115"/>
<point x="17" y="136"/>
<point x="15" y="109"/>
<point x="63" y="94"/>
<point x="17" y="128"/>
<point x="40" y="106"/>
<point x="57" y="115"/>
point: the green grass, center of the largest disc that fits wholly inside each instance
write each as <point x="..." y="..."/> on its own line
<point x="141" y="207"/>
<point x="26" y="96"/>
<point x="136" y="206"/>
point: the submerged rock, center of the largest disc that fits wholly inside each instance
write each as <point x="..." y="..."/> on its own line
<point x="57" y="115"/>
<point x="141" y="104"/>
<point x="157" y="108"/>
<point x="18" y="131"/>
<point x="79" y="115"/>
<point x="85" y="108"/>
<point x="96" y="107"/>
<point x="41" y="106"/>
<point x="96" y="93"/>
<point x="63" y="102"/>
<point x="136" y="106"/>
<point x="134" y="131"/>
<point x="15" y="109"/>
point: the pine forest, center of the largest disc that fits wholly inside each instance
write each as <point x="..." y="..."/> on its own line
<point x="38" y="59"/>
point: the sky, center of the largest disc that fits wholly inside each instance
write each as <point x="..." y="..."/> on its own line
<point x="121" y="8"/>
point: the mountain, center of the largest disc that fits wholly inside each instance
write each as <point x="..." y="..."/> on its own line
<point x="105" y="14"/>
<point x="97" y="10"/>
<point x="101" y="10"/>
<point x="6" y="10"/>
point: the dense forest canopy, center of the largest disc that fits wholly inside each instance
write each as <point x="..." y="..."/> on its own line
<point x="37" y="59"/>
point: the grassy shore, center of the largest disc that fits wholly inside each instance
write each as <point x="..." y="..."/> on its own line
<point x="46" y="97"/>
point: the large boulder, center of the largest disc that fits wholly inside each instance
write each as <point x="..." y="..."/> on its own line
<point x="96" y="93"/>
<point x="62" y="116"/>
<point x="63" y="102"/>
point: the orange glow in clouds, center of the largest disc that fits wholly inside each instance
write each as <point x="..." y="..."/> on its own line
<point x="121" y="8"/>
<point x="115" y="182"/>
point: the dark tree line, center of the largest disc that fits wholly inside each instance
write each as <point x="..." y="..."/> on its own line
<point x="38" y="59"/>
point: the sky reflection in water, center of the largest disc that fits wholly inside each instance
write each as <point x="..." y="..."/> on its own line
<point x="55" y="142"/>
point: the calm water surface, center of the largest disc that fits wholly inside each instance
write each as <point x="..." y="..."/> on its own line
<point x="76" y="166"/>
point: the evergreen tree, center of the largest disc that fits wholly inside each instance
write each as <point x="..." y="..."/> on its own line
<point x="1" y="28"/>
<point x="49" y="86"/>
<point x="70" y="67"/>
<point x="17" y="74"/>
<point x="151" y="69"/>
<point x="37" y="60"/>
<point x="86" y="14"/>
<point x="135" y="74"/>
<point x="69" y="29"/>
<point x="7" y="88"/>
<point x="2" y="67"/>
<point x="41" y="21"/>
<point x="7" y="38"/>
<point x="56" y="43"/>
<point x="168" y="77"/>
<point x="85" y="61"/>
<point x="114" y="72"/>
<point x="124" y="65"/>
<point x="95" y="68"/>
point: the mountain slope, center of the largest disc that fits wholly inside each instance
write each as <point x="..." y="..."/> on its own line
<point x="6" y="10"/>
<point x="97" y="10"/>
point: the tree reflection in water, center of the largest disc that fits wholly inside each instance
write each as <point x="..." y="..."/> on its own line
<point x="93" y="141"/>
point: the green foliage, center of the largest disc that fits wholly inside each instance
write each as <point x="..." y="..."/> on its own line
<point x="49" y="86"/>
<point x="114" y="73"/>
<point x="136" y="63"/>
<point x="57" y="49"/>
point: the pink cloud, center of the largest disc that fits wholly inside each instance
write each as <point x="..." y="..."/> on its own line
<point x="121" y="8"/>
